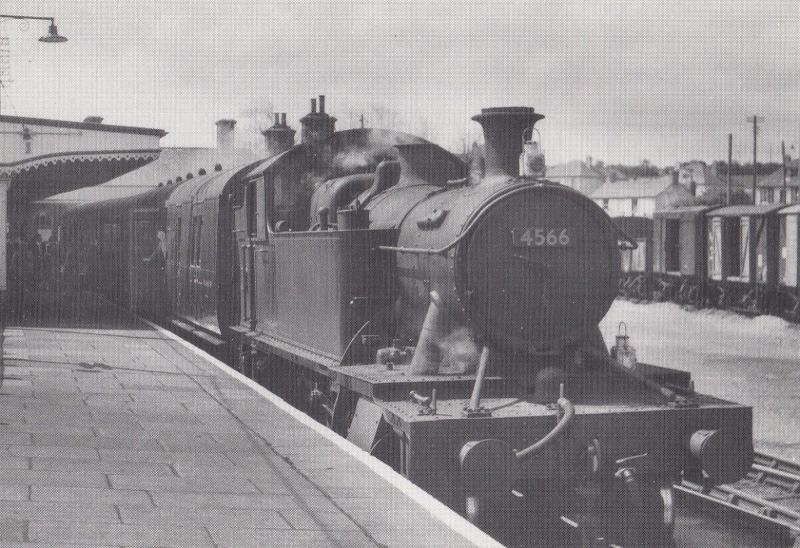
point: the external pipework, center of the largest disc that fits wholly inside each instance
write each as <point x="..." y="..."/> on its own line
<point x="427" y="354"/>
<point x="474" y="408"/>
<point x="387" y="174"/>
<point x="566" y="412"/>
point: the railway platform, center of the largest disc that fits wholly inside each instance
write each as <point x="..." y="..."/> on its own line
<point x="124" y="435"/>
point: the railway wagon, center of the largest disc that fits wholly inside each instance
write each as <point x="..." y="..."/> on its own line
<point x="788" y="288"/>
<point x="116" y="248"/>
<point x="742" y="257"/>
<point x="679" y="254"/>
<point x="636" y="261"/>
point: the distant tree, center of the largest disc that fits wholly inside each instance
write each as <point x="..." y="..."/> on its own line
<point x="716" y="197"/>
<point x="747" y="169"/>
<point x="645" y="169"/>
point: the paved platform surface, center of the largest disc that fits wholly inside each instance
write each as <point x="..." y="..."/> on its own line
<point x="123" y="437"/>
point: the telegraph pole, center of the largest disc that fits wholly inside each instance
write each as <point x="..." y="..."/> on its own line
<point x="754" y="119"/>
<point x="785" y="196"/>
<point x="730" y="169"/>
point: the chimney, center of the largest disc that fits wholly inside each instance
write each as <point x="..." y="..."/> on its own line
<point x="225" y="135"/>
<point x="589" y="161"/>
<point x="502" y="133"/>
<point x="93" y="120"/>
<point x="279" y="137"/>
<point x="317" y="126"/>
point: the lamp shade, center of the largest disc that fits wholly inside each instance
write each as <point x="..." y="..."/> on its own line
<point x="53" y="36"/>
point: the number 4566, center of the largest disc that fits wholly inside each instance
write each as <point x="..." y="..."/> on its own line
<point x="539" y="236"/>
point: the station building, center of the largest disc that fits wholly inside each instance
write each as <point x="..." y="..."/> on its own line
<point x="41" y="157"/>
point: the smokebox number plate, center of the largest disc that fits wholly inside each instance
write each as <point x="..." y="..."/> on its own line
<point x="538" y="236"/>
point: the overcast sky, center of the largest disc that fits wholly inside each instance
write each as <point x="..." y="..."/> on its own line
<point x="617" y="80"/>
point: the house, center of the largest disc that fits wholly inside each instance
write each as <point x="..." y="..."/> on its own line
<point x="640" y="197"/>
<point x="770" y="187"/>
<point x="700" y="178"/>
<point x="577" y="175"/>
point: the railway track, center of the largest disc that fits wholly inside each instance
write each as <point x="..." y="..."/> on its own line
<point x="769" y="492"/>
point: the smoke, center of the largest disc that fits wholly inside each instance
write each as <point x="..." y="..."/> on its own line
<point x="459" y="352"/>
<point x="356" y="160"/>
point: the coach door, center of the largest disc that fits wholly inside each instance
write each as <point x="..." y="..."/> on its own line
<point x="145" y="259"/>
<point x="246" y="250"/>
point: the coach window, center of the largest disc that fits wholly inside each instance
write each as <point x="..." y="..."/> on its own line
<point x="250" y="201"/>
<point x="672" y="245"/>
<point x="194" y="245"/>
<point x="261" y="204"/>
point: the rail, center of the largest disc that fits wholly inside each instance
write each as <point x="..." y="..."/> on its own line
<point x="768" y="473"/>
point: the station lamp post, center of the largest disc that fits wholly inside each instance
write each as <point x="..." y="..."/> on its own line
<point x="52" y="37"/>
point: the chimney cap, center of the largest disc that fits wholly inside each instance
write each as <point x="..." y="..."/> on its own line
<point x="492" y="112"/>
<point x="226" y="122"/>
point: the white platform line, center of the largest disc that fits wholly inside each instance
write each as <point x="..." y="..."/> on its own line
<point x="436" y="508"/>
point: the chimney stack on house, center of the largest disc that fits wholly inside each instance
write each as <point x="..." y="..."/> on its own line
<point x="225" y="141"/>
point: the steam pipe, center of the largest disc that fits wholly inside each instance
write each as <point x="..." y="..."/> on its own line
<point x="426" y="355"/>
<point x="568" y="410"/>
<point x="475" y="400"/>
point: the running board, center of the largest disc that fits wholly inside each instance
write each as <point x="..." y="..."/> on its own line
<point x="204" y="337"/>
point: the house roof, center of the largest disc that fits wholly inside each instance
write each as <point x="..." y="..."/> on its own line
<point x="745" y="209"/>
<point x="646" y="187"/>
<point x="790" y="210"/>
<point x="173" y="162"/>
<point x="575" y="168"/>
<point x="27" y="120"/>
<point x="683" y="212"/>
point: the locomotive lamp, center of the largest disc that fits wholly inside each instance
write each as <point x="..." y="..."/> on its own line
<point x="623" y="352"/>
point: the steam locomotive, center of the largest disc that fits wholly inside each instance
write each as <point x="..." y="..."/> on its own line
<point x="449" y="328"/>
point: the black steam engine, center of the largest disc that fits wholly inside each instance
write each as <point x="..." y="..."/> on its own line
<point x="447" y="327"/>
